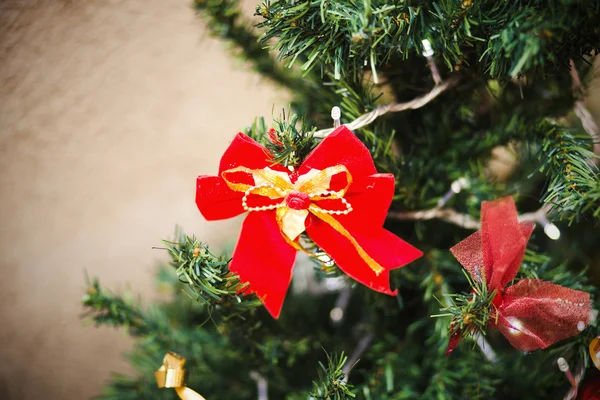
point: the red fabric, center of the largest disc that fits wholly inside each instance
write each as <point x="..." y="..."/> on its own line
<point x="532" y="314"/>
<point x="590" y="390"/>
<point x="503" y="241"/>
<point x="370" y="197"/>
<point x="545" y="311"/>
<point x="386" y="248"/>
<point x="215" y="200"/>
<point x="268" y="269"/>
<point x="452" y="342"/>
<point x="245" y="152"/>
<point x="341" y="147"/>
<point x="263" y="257"/>
<point x="470" y="254"/>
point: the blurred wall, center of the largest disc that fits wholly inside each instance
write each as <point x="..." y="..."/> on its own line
<point x="109" y="110"/>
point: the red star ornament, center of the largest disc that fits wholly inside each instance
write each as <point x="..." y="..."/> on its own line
<point x="532" y="314"/>
<point x="336" y="196"/>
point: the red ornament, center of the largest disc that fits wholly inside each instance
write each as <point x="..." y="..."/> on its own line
<point x="590" y="389"/>
<point x="336" y="196"/>
<point x="532" y="314"/>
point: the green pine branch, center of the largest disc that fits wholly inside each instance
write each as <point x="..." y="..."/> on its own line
<point x="331" y="384"/>
<point x="504" y="39"/>
<point x="105" y="308"/>
<point x="289" y="140"/>
<point x="472" y="311"/>
<point x="207" y="276"/>
<point x="567" y="160"/>
<point x="340" y="35"/>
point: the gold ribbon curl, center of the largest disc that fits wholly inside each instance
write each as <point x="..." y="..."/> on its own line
<point x="171" y="374"/>
<point x="274" y="185"/>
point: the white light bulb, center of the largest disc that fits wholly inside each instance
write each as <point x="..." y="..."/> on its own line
<point x="336" y="314"/>
<point x="336" y="113"/>
<point x="458" y="185"/>
<point x="563" y="365"/>
<point x="427" y="50"/>
<point x="552" y="231"/>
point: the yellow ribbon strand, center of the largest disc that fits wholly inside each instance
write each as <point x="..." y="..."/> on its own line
<point x="273" y="184"/>
<point x="326" y="175"/>
<point x="171" y="374"/>
<point x="334" y="223"/>
<point x="267" y="174"/>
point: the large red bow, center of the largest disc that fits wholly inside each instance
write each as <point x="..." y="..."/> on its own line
<point x="336" y="196"/>
<point x="532" y="314"/>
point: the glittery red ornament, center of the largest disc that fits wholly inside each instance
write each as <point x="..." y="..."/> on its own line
<point x="590" y="389"/>
<point x="532" y="314"/>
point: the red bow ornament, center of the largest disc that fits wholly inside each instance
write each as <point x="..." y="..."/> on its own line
<point x="532" y="314"/>
<point x="336" y="196"/>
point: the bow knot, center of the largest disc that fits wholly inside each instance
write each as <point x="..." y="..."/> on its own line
<point x="297" y="200"/>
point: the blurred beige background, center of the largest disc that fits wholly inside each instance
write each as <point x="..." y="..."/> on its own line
<point x="109" y="110"/>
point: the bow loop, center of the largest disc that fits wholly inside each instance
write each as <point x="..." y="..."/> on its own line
<point x="267" y="182"/>
<point x="318" y="182"/>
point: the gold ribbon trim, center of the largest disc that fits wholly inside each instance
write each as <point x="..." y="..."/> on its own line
<point x="315" y="184"/>
<point x="171" y="374"/>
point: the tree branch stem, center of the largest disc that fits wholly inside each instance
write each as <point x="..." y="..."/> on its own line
<point x="463" y="220"/>
<point x="414" y="104"/>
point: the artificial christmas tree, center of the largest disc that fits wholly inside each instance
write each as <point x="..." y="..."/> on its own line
<point x="430" y="93"/>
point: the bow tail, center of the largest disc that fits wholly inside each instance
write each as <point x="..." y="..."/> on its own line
<point x="264" y="259"/>
<point x="388" y="250"/>
<point x="185" y="393"/>
<point x="535" y="314"/>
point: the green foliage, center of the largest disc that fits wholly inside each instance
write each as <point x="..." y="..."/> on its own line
<point x="208" y="276"/>
<point x="331" y="384"/>
<point x="574" y="180"/>
<point x="504" y="39"/>
<point x="471" y="312"/>
<point x="342" y="36"/>
<point x="289" y="140"/>
<point x="105" y="309"/>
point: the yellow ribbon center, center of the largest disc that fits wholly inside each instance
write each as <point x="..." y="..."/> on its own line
<point x="297" y="200"/>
